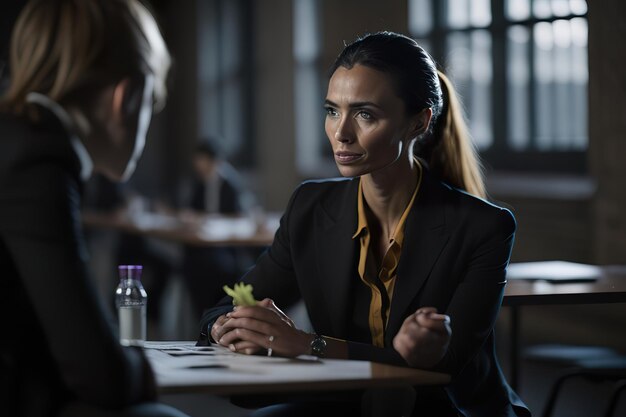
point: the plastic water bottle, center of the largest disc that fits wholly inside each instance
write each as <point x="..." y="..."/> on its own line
<point x="131" y="301"/>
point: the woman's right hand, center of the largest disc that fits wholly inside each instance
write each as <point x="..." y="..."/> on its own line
<point x="217" y="330"/>
<point x="423" y="338"/>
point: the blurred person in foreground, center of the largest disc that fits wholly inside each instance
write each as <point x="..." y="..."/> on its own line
<point x="85" y="75"/>
<point x="403" y="261"/>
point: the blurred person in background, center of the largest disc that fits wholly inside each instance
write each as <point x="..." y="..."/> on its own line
<point x="84" y="78"/>
<point x="215" y="189"/>
<point x="159" y="261"/>
<point x="216" y="186"/>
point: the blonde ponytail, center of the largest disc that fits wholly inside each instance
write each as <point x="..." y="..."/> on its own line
<point x="454" y="157"/>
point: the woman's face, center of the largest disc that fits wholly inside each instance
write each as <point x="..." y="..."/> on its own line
<point x="140" y="121"/>
<point x="366" y="122"/>
<point x="121" y="123"/>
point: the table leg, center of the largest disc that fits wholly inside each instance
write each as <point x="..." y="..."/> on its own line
<point x="514" y="348"/>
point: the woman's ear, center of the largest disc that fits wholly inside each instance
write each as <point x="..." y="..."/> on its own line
<point x="421" y="121"/>
<point x="119" y="104"/>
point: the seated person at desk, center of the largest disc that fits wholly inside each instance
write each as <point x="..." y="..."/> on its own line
<point x="106" y="196"/>
<point x="215" y="189"/>
<point x="385" y="257"/>
<point x="84" y="75"/>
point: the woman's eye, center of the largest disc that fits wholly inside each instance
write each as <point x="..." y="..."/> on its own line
<point x="365" y="115"/>
<point x="331" y="112"/>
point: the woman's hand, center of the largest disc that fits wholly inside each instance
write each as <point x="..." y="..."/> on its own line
<point x="423" y="338"/>
<point x="217" y="330"/>
<point x="262" y="327"/>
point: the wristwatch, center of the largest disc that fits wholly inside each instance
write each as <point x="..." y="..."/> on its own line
<point x="318" y="346"/>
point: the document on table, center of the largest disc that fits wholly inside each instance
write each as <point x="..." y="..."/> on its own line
<point x="182" y="364"/>
<point x="182" y="348"/>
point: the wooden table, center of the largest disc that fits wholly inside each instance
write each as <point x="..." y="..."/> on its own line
<point x="209" y="230"/>
<point x="541" y="283"/>
<point x="222" y="372"/>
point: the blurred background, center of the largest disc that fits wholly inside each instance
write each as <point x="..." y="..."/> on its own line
<point x="544" y="87"/>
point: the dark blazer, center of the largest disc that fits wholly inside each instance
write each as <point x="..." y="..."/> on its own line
<point x="454" y="257"/>
<point x="229" y="195"/>
<point x="59" y="342"/>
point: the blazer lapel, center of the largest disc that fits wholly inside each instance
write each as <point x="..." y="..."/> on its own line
<point x="425" y="237"/>
<point x="335" y="223"/>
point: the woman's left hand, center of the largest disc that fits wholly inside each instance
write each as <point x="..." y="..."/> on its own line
<point x="262" y="327"/>
<point x="423" y="338"/>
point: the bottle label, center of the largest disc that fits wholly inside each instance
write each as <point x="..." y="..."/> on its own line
<point x="132" y="321"/>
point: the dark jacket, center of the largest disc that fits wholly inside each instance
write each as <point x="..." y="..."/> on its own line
<point x="59" y="342"/>
<point x="454" y="257"/>
<point x="229" y="194"/>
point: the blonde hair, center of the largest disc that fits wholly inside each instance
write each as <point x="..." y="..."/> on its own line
<point x="454" y="155"/>
<point x="68" y="49"/>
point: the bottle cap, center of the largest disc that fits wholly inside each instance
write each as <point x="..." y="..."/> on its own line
<point x="130" y="271"/>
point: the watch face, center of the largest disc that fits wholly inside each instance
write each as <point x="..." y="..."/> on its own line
<point x="318" y="346"/>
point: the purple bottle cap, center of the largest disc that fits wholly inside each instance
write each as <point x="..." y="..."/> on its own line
<point x="130" y="271"/>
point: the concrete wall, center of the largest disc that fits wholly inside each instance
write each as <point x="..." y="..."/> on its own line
<point x="607" y="127"/>
<point x="273" y="125"/>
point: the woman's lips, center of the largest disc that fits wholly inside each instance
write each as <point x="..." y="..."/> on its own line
<point x="347" y="157"/>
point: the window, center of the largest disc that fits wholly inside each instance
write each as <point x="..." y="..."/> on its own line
<point x="520" y="67"/>
<point x="307" y="86"/>
<point x="225" y="76"/>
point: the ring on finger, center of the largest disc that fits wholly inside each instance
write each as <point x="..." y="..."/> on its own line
<point x="269" y="349"/>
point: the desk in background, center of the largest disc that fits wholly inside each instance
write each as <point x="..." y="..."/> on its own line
<point x="210" y="230"/>
<point x="554" y="283"/>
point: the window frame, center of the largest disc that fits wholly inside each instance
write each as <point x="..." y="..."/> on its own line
<point x="500" y="155"/>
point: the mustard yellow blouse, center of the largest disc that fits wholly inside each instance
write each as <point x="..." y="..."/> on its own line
<point x="381" y="281"/>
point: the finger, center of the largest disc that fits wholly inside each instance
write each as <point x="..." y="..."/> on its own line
<point x="280" y="312"/>
<point x="259" y="313"/>
<point x="244" y="335"/>
<point x="245" y="347"/>
<point x="439" y="326"/>
<point x="253" y="324"/>
<point x="415" y="334"/>
<point x="432" y="320"/>
<point x="221" y="335"/>
<point x="269" y="304"/>
<point x="425" y="310"/>
<point x="436" y="316"/>
<point x="266" y="302"/>
<point x="216" y="329"/>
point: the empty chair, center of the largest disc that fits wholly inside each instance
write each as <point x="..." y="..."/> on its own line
<point x="600" y="369"/>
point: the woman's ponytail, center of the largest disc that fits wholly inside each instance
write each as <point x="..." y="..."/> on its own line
<point x="446" y="147"/>
<point x="453" y="156"/>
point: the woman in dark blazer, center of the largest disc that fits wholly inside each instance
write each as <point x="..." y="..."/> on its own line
<point x="83" y="77"/>
<point x="402" y="261"/>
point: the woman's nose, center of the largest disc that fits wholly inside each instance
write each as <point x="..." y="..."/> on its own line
<point x="344" y="133"/>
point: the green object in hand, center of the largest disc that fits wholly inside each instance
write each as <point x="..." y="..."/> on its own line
<point x="242" y="294"/>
